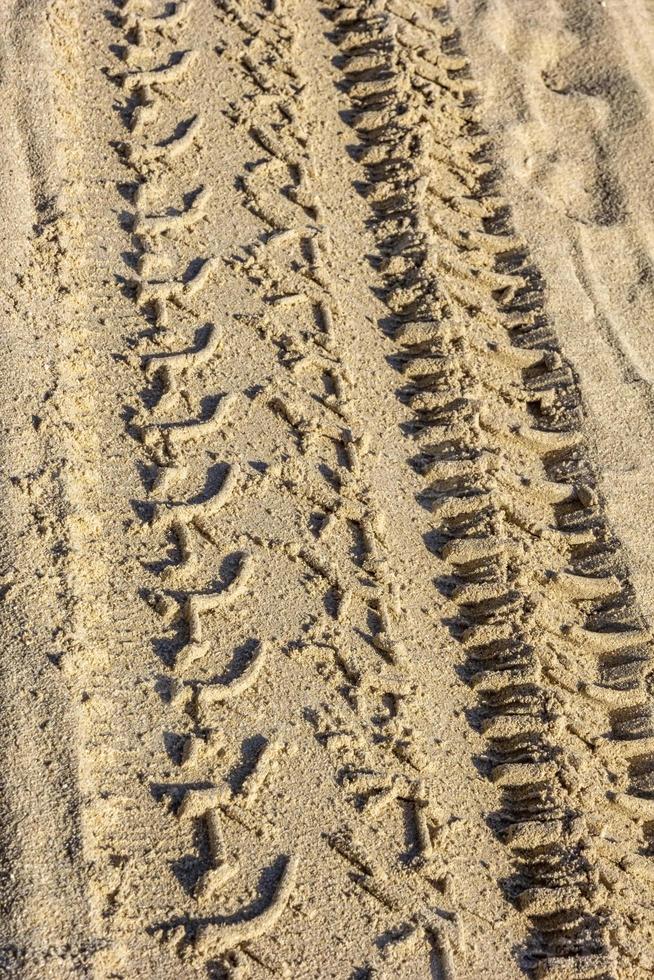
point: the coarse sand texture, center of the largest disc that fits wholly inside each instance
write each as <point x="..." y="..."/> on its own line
<point x="327" y="564"/>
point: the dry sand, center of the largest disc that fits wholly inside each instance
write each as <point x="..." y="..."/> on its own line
<point x="326" y="565"/>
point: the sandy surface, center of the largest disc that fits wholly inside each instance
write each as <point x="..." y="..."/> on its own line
<point x="325" y="566"/>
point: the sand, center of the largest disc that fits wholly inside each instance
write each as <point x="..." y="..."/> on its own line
<point x="325" y="567"/>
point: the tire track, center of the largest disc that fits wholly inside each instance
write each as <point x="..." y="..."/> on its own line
<point x="368" y="732"/>
<point x="220" y="812"/>
<point x="555" y="646"/>
<point x="199" y="936"/>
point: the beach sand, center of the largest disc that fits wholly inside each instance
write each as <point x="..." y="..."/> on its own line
<point x="326" y="566"/>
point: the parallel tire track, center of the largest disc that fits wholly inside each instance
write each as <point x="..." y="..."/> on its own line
<point x="360" y="681"/>
<point x="321" y="463"/>
<point x="554" y="644"/>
